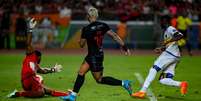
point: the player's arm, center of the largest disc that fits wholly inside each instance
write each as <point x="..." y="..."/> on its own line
<point x="31" y="23"/>
<point x="160" y="49"/>
<point x="56" y="68"/>
<point x="82" y="42"/>
<point x="176" y="36"/>
<point x="118" y="40"/>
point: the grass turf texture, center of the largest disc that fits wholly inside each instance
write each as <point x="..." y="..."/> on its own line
<point x="122" y="67"/>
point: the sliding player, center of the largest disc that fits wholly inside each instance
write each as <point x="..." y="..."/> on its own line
<point x="93" y="35"/>
<point x="31" y="82"/>
<point x="167" y="61"/>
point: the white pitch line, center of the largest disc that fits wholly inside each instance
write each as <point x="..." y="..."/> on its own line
<point x="150" y="94"/>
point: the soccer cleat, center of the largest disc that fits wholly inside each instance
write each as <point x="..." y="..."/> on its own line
<point x="127" y="86"/>
<point x="69" y="97"/>
<point x="12" y="95"/>
<point x="184" y="86"/>
<point x="139" y="94"/>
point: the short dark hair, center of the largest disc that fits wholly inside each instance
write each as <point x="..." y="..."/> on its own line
<point x="38" y="53"/>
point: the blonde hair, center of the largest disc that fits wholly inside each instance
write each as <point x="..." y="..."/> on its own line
<point x="92" y="12"/>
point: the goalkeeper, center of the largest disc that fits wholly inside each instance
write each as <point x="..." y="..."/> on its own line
<point x="31" y="82"/>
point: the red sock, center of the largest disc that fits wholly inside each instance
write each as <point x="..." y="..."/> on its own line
<point x="58" y="93"/>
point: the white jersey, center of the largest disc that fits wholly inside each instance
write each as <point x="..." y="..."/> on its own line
<point x="172" y="47"/>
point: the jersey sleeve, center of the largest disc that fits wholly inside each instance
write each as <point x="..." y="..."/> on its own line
<point x="83" y="33"/>
<point x="174" y="32"/>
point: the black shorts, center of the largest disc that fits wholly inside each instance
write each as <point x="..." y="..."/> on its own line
<point x="95" y="62"/>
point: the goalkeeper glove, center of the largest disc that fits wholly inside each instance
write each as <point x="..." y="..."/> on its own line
<point x="31" y="23"/>
<point x="56" y="68"/>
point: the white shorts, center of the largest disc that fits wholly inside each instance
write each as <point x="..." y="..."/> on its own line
<point x="167" y="62"/>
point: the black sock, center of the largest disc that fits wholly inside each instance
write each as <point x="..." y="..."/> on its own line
<point x="78" y="83"/>
<point x="111" y="81"/>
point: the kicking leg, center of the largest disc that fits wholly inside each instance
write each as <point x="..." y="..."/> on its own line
<point x="81" y="76"/>
<point x="98" y="76"/>
<point x="106" y="80"/>
<point x="162" y="62"/>
<point x="78" y="83"/>
<point x="151" y="76"/>
<point x="166" y="78"/>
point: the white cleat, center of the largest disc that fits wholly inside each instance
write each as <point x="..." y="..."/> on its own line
<point x="12" y="95"/>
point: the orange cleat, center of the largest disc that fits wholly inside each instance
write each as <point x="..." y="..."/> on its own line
<point x="139" y="94"/>
<point x="184" y="86"/>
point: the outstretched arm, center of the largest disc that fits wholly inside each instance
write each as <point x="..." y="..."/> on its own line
<point x="56" y="68"/>
<point x="119" y="41"/>
<point x="159" y="49"/>
<point x="31" y="23"/>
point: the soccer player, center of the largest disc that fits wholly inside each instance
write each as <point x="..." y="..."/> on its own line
<point x="167" y="61"/>
<point x="93" y="34"/>
<point x="183" y="24"/>
<point x="31" y="82"/>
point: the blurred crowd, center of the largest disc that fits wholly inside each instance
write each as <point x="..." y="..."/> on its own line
<point x="110" y="9"/>
<point x="123" y="10"/>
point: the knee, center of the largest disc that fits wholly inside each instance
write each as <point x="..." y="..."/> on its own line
<point x="98" y="80"/>
<point x="156" y="68"/>
<point x="164" y="76"/>
<point x="81" y="73"/>
<point x="161" y="81"/>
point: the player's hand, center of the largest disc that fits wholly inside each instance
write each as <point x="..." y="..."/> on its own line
<point x="57" y="68"/>
<point x="125" y="50"/>
<point x="31" y="24"/>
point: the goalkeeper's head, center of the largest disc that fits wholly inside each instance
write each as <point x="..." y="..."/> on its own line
<point x="92" y="14"/>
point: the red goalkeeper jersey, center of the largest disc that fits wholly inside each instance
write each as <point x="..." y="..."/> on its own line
<point x="29" y="67"/>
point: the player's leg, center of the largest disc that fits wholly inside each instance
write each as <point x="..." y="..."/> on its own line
<point x="167" y="75"/>
<point x="32" y="88"/>
<point x="96" y="67"/>
<point x="81" y="76"/>
<point x="166" y="78"/>
<point x="162" y="61"/>
<point x="98" y="76"/>
<point x="54" y="93"/>
<point x="78" y="83"/>
<point x="108" y="80"/>
<point x="30" y="94"/>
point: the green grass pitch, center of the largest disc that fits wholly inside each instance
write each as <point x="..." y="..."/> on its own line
<point x="118" y="66"/>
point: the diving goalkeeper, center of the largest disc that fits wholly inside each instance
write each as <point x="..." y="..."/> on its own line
<point x="32" y="83"/>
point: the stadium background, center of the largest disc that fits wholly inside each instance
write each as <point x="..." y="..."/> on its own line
<point x="58" y="31"/>
<point x="61" y="20"/>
